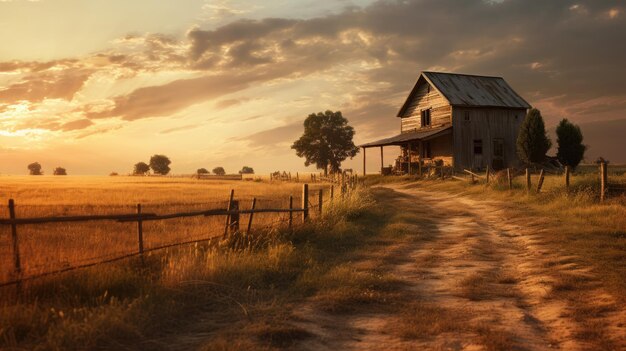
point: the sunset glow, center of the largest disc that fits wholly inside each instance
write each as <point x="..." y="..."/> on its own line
<point x="96" y="86"/>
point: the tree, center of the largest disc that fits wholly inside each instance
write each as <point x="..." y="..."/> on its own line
<point x="532" y="141"/>
<point x="219" y="171"/>
<point x="59" y="171"/>
<point x="246" y="170"/>
<point x="569" y="138"/>
<point x="35" y="168"/>
<point x="326" y="142"/>
<point x="160" y="164"/>
<point x="202" y="171"/>
<point x="141" y="168"/>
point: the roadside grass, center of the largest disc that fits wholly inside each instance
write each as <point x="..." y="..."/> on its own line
<point x="573" y="223"/>
<point x="212" y="291"/>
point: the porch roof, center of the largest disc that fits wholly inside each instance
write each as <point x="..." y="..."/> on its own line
<point x="408" y="137"/>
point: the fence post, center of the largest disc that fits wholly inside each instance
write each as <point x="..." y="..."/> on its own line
<point x="228" y="208"/>
<point x="140" y="230"/>
<point x="305" y="202"/>
<point x="290" y="211"/>
<point x="567" y="173"/>
<point x="234" y="218"/>
<point x="472" y="177"/>
<point x="332" y="192"/>
<point x="16" y="248"/>
<point x="321" y="200"/>
<point x="510" y="178"/>
<point x="487" y="175"/>
<point x="528" y="182"/>
<point x="540" y="182"/>
<point x="297" y="177"/>
<point x="603" y="180"/>
<point x="251" y="214"/>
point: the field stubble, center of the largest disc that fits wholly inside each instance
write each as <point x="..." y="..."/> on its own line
<point x="53" y="246"/>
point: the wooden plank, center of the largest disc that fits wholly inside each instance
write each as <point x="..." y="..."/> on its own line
<point x="234" y="217"/>
<point x="251" y="215"/>
<point x="540" y="182"/>
<point x="305" y="202"/>
<point x="14" y="239"/>
<point x="139" y="229"/>
<point x="290" y="211"/>
<point x="230" y="203"/>
<point x="603" y="180"/>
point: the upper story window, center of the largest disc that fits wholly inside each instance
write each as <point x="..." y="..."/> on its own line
<point x="467" y="116"/>
<point x="426" y="118"/>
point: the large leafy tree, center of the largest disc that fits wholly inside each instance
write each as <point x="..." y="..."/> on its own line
<point x="160" y="164"/>
<point x="35" y="169"/>
<point x="219" y="171"/>
<point x="569" y="138"/>
<point x="202" y="171"/>
<point x="326" y="142"/>
<point x="246" y="170"/>
<point x="141" y="168"/>
<point x="532" y="141"/>
<point x="59" y="171"/>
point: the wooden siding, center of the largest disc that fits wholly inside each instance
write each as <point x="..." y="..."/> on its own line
<point x="426" y="97"/>
<point x="485" y="124"/>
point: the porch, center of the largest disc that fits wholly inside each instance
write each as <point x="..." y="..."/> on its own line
<point x="419" y="148"/>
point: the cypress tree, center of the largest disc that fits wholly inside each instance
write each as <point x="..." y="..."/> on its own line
<point x="569" y="139"/>
<point x="532" y="141"/>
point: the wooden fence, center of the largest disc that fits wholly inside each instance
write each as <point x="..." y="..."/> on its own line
<point x="606" y="186"/>
<point x="232" y="214"/>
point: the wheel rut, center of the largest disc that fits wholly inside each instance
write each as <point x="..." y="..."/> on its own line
<point x="475" y="279"/>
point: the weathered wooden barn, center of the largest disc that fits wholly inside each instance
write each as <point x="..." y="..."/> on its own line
<point x="466" y="121"/>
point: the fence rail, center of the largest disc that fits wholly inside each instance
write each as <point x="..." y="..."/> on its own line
<point x="232" y="222"/>
<point x="606" y="187"/>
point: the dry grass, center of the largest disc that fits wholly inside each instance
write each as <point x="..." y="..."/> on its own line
<point x="193" y="295"/>
<point x="58" y="245"/>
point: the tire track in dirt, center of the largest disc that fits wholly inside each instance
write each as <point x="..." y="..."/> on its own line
<point x="481" y="282"/>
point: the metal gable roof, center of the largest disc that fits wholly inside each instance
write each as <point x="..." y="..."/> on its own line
<point x="469" y="90"/>
<point x="400" y="139"/>
<point x="476" y="91"/>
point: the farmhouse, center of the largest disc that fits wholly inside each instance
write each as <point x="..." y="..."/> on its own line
<point x="465" y="121"/>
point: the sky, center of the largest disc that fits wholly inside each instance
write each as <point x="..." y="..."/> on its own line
<point x="96" y="86"/>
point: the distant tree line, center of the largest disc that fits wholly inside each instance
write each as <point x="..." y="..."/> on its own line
<point x="36" y="169"/>
<point x="220" y="171"/>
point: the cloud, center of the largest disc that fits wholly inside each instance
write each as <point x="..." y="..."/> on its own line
<point x="555" y="52"/>
<point x="180" y="128"/>
<point x="76" y="125"/>
<point x="42" y="85"/>
<point x="271" y="138"/>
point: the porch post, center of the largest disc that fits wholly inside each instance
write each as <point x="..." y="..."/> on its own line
<point x="364" y="161"/>
<point x="382" y="164"/>
<point x="409" y="156"/>
<point x="421" y="154"/>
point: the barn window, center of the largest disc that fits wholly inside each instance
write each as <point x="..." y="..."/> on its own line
<point x="426" y="118"/>
<point x="467" y="116"/>
<point x="478" y="147"/>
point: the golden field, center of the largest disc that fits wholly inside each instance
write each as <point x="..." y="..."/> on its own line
<point x="47" y="247"/>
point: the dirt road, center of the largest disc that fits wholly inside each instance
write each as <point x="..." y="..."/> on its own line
<point x="475" y="279"/>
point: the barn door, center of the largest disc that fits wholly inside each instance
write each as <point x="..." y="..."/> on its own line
<point x="498" y="154"/>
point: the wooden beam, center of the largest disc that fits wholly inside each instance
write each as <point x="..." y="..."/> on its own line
<point x="364" y="161"/>
<point x="382" y="163"/>
<point x="409" y="156"/>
